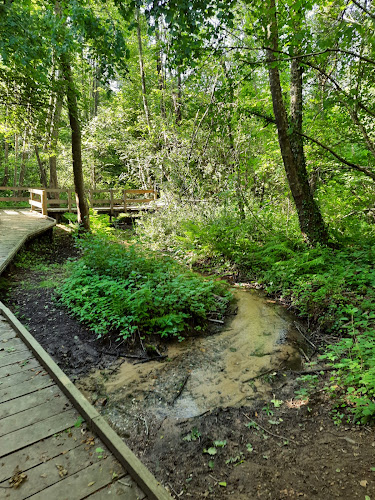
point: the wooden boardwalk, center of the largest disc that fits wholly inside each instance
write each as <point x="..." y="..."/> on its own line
<point x="16" y="227"/>
<point x="53" y="443"/>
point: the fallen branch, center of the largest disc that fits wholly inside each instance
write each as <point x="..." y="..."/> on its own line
<point x="216" y="321"/>
<point x="180" y="390"/>
<point x="304" y="336"/>
<point x="154" y="358"/>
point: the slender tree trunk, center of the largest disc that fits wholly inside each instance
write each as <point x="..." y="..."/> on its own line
<point x="82" y="207"/>
<point x="6" y="164"/>
<point x="142" y="72"/>
<point x="15" y="172"/>
<point x="23" y="160"/>
<point x="95" y="92"/>
<point x="309" y="216"/>
<point x="178" y="100"/>
<point x="234" y="160"/>
<point x="159" y="69"/>
<point x="42" y="169"/>
<point x="53" y="181"/>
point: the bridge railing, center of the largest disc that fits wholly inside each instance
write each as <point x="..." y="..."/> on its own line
<point x="64" y="200"/>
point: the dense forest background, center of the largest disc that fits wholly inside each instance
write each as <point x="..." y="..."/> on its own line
<point x="254" y="120"/>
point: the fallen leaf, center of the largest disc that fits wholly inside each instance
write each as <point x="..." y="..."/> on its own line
<point x="90" y="484"/>
<point x="43" y="475"/>
<point x="17" y="479"/>
<point x="62" y="471"/>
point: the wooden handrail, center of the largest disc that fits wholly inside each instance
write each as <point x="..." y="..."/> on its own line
<point x="39" y="204"/>
<point x="38" y="198"/>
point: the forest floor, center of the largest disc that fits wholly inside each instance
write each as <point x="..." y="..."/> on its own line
<point x="274" y="447"/>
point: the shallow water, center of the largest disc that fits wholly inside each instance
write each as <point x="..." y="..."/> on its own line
<point x="201" y="374"/>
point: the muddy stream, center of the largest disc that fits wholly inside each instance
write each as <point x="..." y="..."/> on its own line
<point x="202" y="373"/>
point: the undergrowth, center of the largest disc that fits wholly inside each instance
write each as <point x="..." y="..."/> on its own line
<point x="117" y="287"/>
<point x="333" y="287"/>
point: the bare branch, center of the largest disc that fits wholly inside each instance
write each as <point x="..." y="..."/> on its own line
<point x="342" y="160"/>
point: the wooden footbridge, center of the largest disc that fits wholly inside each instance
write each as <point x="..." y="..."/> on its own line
<point x="58" y="201"/>
<point x="53" y="443"/>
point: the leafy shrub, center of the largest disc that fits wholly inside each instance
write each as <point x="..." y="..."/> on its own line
<point x="126" y="289"/>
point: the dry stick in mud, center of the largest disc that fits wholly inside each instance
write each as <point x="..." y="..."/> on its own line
<point x="180" y="390"/>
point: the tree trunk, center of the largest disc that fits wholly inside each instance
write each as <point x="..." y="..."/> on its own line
<point x="15" y="173"/>
<point x="6" y="164"/>
<point x="71" y="95"/>
<point x="42" y="170"/>
<point x="142" y="72"/>
<point x="23" y="160"/>
<point x="177" y="100"/>
<point x="159" y="69"/>
<point x="291" y="147"/>
<point x="53" y="181"/>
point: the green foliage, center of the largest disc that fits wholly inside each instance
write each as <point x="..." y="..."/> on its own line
<point x="193" y="435"/>
<point x="125" y="289"/>
<point x="333" y="287"/>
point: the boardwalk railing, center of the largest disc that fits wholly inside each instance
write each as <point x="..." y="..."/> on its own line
<point x="64" y="200"/>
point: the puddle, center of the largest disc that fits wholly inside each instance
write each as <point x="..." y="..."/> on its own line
<point x="201" y="374"/>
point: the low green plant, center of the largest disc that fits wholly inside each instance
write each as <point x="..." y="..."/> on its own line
<point x="193" y="435"/>
<point x="128" y="290"/>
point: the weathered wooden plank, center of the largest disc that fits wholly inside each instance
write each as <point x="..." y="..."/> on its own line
<point x="42" y="451"/>
<point x="6" y="351"/>
<point x="17" y="405"/>
<point x="15" y="358"/>
<point x="81" y="484"/>
<point x="39" y="382"/>
<point x="13" y="342"/>
<point x="17" y="378"/>
<point x="61" y="468"/>
<point x="7" y="334"/>
<point x="41" y="430"/>
<point x="8" y="370"/>
<point x="124" y="488"/>
<point x="28" y="417"/>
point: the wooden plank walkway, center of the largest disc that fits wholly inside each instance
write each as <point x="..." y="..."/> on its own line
<point x="43" y="444"/>
<point x="16" y="227"/>
<point x="46" y="451"/>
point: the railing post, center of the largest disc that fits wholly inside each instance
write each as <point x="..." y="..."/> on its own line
<point x="32" y="199"/>
<point x="111" y="201"/>
<point x="43" y="199"/>
<point x="125" y="202"/>
<point x="69" y="200"/>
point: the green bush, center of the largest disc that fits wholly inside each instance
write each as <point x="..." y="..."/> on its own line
<point x="121" y="288"/>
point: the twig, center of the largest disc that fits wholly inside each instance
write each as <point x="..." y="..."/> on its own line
<point x="146" y="360"/>
<point x="260" y="375"/>
<point x="304" y="354"/>
<point x="304" y="336"/>
<point x="180" y="390"/>
<point x="266" y="430"/>
<point x="216" y="321"/>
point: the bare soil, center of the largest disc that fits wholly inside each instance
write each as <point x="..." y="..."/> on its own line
<point x="267" y="449"/>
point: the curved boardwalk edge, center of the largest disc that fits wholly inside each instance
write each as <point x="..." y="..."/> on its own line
<point x="141" y="475"/>
<point x="16" y="228"/>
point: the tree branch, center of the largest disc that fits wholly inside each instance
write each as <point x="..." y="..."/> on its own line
<point x="362" y="7"/>
<point x="342" y="160"/>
